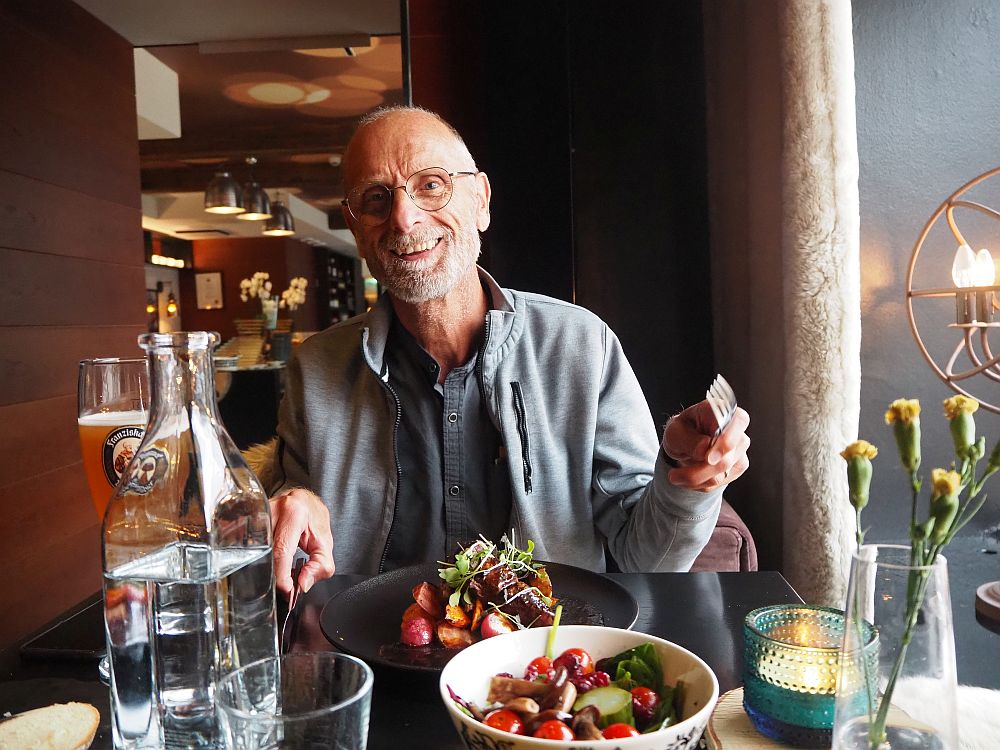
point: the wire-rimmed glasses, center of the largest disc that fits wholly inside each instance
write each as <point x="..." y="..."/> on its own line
<point x="430" y="189"/>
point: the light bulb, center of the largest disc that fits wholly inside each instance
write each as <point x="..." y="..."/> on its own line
<point x="964" y="266"/>
<point x="985" y="272"/>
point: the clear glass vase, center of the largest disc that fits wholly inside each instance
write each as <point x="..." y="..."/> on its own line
<point x="187" y="554"/>
<point x="910" y="606"/>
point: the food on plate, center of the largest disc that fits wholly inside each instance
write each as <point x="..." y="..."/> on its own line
<point x="572" y="697"/>
<point x="61" y="726"/>
<point x="489" y="589"/>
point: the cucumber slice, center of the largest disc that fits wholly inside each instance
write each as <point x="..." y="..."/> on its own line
<point x="614" y="704"/>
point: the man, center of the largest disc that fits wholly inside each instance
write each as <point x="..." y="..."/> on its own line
<point x="456" y="408"/>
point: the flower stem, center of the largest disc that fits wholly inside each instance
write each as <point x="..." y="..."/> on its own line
<point x="917" y="582"/>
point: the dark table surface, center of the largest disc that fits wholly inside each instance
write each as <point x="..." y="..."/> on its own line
<point x="700" y="611"/>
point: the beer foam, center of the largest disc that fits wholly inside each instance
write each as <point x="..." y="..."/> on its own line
<point x="112" y="418"/>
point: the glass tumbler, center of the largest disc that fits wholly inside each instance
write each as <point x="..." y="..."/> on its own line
<point x="299" y="701"/>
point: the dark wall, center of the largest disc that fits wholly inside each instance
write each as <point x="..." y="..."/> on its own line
<point x="72" y="287"/>
<point x="590" y="121"/>
<point x="239" y="258"/>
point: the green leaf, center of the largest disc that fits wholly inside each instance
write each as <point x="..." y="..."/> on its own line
<point x="462" y="563"/>
<point x="455" y="598"/>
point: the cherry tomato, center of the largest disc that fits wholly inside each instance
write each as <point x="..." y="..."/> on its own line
<point x="619" y="731"/>
<point x="576" y="661"/>
<point x="553" y="729"/>
<point x="505" y="720"/>
<point x="539" y="666"/>
<point x="644" y="704"/>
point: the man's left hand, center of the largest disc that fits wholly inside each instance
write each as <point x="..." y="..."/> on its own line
<point x="687" y="440"/>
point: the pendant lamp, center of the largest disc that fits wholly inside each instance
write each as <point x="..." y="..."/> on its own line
<point x="256" y="204"/>
<point x="223" y="195"/>
<point x="281" y="223"/>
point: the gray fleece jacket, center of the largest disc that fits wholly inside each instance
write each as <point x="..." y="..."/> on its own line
<point x="583" y="454"/>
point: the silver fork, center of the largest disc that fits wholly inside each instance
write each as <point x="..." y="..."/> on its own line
<point x="722" y="400"/>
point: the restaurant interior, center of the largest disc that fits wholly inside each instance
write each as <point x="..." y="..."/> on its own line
<point x="649" y="161"/>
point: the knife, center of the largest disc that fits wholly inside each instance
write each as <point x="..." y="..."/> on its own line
<point x="292" y="617"/>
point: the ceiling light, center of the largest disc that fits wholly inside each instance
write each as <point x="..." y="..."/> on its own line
<point x="222" y="196"/>
<point x="166" y="260"/>
<point x="256" y="203"/>
<point x="281" y="223"/>
<point x="253" y="198"/>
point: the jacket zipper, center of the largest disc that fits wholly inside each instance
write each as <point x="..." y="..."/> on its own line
<point x="522" y="431"/>
<point x="479" y="361"/>
<point x="399" y="471"/>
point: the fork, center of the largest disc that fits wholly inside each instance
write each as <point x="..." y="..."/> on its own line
<point x="722" y="400"/>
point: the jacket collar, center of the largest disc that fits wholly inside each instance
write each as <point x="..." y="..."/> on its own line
<point x="380" y="317"/>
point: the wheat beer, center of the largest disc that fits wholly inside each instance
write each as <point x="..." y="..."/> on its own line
<point x="108" y="440"/>
<point x="112" y="398"/>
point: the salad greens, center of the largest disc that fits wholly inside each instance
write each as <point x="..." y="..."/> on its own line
<point x="640" y="667"/>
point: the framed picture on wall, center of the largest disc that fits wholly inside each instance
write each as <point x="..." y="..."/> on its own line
<point x="208" y="289"/>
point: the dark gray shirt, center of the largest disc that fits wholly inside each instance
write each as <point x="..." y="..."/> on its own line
<point x="454" y="484"/>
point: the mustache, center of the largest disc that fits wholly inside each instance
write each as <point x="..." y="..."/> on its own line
<point x="398" y="242"/>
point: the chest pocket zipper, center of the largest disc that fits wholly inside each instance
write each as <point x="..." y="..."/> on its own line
<point x="522" y="432"/>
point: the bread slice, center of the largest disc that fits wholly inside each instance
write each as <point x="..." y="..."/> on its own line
<point x="62" y="726"/>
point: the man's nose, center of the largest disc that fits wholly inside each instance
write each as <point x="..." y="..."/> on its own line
<point x="404" y="213"/>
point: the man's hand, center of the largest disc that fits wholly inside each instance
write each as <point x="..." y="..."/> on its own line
<point x="687" y="439"/>
<point x="300" y="519"/>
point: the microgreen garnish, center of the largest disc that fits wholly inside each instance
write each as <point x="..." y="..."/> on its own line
<point x="471" y="561"/>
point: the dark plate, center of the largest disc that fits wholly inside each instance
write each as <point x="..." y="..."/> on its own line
<point x="364" y="619"/>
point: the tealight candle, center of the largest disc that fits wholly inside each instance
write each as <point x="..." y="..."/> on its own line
<point x="790" y="671"/>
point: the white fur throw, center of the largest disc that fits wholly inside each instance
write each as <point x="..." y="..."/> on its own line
<point x="822" y="293"/>
<point x="978" y="710"/>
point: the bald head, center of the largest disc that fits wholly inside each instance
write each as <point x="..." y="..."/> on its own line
<point x="392" y="136"/>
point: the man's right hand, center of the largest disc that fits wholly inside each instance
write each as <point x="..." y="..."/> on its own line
<point x="301" y="520"/>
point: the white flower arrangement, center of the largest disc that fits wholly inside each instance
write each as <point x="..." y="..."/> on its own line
<point x="259" y="286"/>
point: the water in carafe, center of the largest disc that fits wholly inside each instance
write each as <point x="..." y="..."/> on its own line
<point x="188" y="574"/>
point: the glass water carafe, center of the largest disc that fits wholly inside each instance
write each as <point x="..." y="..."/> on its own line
<point x="187" y="554"/>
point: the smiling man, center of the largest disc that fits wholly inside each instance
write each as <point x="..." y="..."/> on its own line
<point x="456" y="407"/>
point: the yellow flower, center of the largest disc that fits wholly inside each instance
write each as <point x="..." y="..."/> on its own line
<point x="859" y="448"/>
<point x="859" y="471"/>
<point x="959" y="411"/>
<point x="959" y="405"/>
<point x="945" y="482"/>
<point x="904" y="416"/>
<point x="903" y="410"/>
<point x="944" y="503"/>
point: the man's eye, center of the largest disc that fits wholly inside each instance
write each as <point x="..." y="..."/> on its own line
<point x="430" y="184"/>
<point x="374" y="197"/>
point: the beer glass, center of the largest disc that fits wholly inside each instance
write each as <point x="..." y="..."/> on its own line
<point x="113" y="401"/>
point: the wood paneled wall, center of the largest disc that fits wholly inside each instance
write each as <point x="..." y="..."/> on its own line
<point x="71" y="287"/>
<point x="240" y="258"/>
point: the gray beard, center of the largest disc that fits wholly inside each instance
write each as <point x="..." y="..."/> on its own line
<point x="414" y="286"/>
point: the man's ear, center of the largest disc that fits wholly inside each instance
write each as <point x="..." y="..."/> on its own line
<point x="483" y="206"/>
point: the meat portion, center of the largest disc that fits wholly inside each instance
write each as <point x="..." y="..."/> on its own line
<point x="500" y="587"/>
<point x="526" y="603"/>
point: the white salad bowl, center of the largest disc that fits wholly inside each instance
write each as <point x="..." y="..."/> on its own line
<point x="469" y="672"/>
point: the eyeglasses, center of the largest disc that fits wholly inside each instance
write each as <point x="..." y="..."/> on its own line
<point x="430" y="189"/>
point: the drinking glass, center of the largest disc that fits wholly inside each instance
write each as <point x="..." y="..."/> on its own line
<point x="299" y="701"/>
<point x="112" y="407"/>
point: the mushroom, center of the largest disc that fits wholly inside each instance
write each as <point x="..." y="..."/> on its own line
<point x="555" y="689"/>
<point x="522" y="705"/>
<point x="585" y="724"/>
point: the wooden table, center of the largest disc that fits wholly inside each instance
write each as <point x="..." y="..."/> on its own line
<point x="700" y="611"/>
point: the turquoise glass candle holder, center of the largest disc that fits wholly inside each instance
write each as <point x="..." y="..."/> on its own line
<point x="790" y="671"/>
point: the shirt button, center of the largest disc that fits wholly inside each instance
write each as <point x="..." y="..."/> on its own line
<point x="453" y="417"/>
<point x="454" y="490"/>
